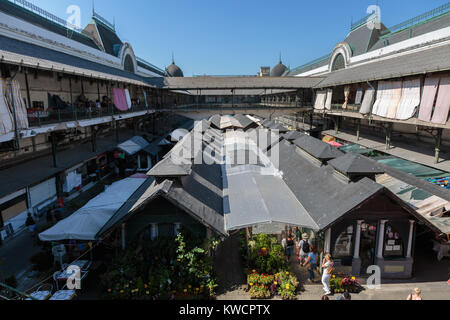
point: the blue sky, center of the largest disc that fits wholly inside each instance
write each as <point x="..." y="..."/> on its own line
<point x="230" y="37"/>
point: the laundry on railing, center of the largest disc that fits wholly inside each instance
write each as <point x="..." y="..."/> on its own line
<point x="6" y="119"/>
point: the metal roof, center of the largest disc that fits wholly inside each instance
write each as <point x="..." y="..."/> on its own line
<point x="352" y="163"/>
<point x="29" y="55"/>
<point x="433" y="59"/>
<point x="218" y="83"/>
<point x="316" y="148"/>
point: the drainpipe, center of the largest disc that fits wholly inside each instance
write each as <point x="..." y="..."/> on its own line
<point x="16" y="129"/>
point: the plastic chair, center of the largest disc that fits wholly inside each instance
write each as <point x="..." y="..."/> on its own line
<point x="59" y="252"/>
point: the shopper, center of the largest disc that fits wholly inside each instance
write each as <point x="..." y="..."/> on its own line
<point x="328" y="269"/>
<point x="304" y="247"/>
<point x="31" y="224"/>
<point x="311" y="263"/>
<point x="290" y="247"/>
<point x="415" y="295"/>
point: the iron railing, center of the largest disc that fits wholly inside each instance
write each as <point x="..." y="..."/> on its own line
<point x="110" y="25"/>
<point x="421" y="18"/>
<point x="361" y="21"/>
<point x="313" y="62"/>
<point x="51" y="17"/>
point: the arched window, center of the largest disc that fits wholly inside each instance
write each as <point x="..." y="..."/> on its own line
<point x="129" y="65"/>
<point x="344" y="243"/>
<point x="393" y="243"/>
<point x="338" y="63"/>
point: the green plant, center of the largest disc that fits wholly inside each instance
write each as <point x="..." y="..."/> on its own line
<point x="288" y="284"/>
<point x="259" y="292"/>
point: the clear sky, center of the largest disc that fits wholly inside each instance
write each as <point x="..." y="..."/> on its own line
<point x="231" y="37"/>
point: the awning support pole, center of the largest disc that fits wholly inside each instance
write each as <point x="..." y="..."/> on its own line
<point x="336" y="125"/>
<point x="94" y="139"/>
<point x="358" y="129"/>
<point x="438" y="145"/>
<point x="54" y="150"/>
<point x="388" y="136"/>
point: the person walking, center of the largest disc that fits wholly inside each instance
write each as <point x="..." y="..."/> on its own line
<point x="311" y="263"/>
<point x="290" y="247"/>
<point x="415" y="295"/>
<point x="304" y="248"/>
<point x="31" y="224"/>
<point x="328" y="269"/>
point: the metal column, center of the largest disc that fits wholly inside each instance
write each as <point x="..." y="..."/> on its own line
<point x="358" y="129"/>
<point x="54" y="150"/>
<point x="438" y="145"/>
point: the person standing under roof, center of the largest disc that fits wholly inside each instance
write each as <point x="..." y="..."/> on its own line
<point x="328" y="269"/>
<point x="311" y="263"/>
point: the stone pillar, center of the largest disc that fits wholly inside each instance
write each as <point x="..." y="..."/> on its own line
<point x="381" y="239"/>
<point x="358" y="239"/>
<point x="410" y="238"/>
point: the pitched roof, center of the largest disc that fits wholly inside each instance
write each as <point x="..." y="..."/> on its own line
<point x="110" y="40"/>
<point x="167" y="167"/>
<point x="318" y="149"/>
<point x="292" y="135"/>
<point x="15" y="51"/>
<point x="324" y="196"/>
<point x="20" y="12"/>
<point x="428" y="60"/>
<point x="352" y="163"/>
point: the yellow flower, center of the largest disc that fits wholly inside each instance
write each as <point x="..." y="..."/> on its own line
<point x="147" y="292"/>
<point x="353" y="278"/>
<point x="264" y="249"/>
<point x="287" y="273"/>
<point x="288" y="286"/>
<point x="334" y="276"/>
<point x="275" y="283"/>
<point x="251" y="284"/>
<point x="189" y="286"/>
<point x="254" y="271"/>
<point x="185" y="290"/>
<point x="121" y="291"/>
<point x="145" y="286"/>
<point x="197" y="289"/>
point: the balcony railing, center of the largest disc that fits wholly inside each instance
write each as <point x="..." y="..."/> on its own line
<point x="38" y="118"/>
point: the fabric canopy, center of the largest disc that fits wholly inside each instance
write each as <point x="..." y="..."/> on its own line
<point x="329" y="99"/>
<point x="395" y="99"/>
<point x="134" y="145"/>
<point x="410" y="99"/>
<point x="440" y="114"/>
<point x="120" y="99"/>
<point x="367" y="103"/>
<point x="321" y="96"/>
<point x="6" y="120"/>
<point x="128" y="97"/>
<point x="384" y="97"/>
<point x="85" y="223"/>
<point x="19" y="104"/>
<point x="429" y="94"/>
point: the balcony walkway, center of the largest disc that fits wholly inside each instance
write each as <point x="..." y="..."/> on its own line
<point x="417" y="152"/>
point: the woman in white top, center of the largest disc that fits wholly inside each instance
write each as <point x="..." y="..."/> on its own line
<point x="327" y="266"/>
<point x="415" y="295"/>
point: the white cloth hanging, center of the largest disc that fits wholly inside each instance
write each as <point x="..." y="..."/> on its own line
<point x="127" y="95"/>
<point x="329" y="99"/>
<point x="6" y="119"/>
<point x="319" y="104"/>
<point x="410" y="99"/>
<point x="19" y="105"/>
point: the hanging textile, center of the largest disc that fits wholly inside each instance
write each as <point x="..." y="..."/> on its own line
<point x="346" y="96"/>
<point x="127" y="96"/>
<point x="6" y="119"/>
<point x="410" y="99"/>
<point x="429" y="94"/>
<point x="395" y="99"/>
<point x="329" y="99"/>
<point x="385" y="89"/>
<point x="120" y="100"/>
<point x="440" y="114"/>
<point x="319" y="104"/>
<point x="145" y="98"/>
<point x="359" y="96"/>
<point x="18" y="104"/>
<point x="367" y="103"/>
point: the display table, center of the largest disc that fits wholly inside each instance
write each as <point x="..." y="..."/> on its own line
<point x="63" y="295"/>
